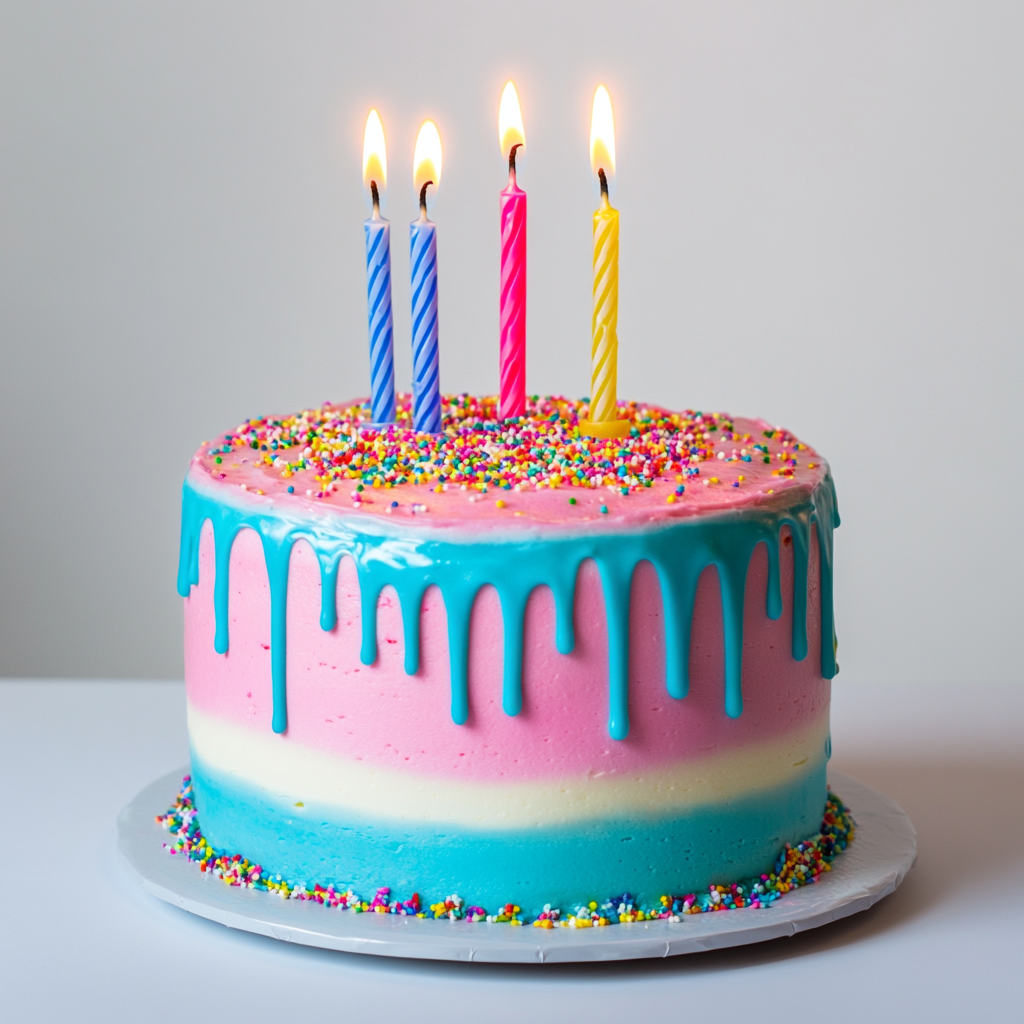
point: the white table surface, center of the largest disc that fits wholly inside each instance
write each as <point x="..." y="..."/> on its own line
<point x="80" y="941"/>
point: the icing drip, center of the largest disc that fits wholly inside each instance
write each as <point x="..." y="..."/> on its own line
<point x="679" y="552"/>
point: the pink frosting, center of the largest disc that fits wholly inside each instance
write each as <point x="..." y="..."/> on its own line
<point x="380" y="715"/>
<point x="238" y="479"/>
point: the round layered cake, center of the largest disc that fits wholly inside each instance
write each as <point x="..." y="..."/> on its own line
<point x="508" y="661"/>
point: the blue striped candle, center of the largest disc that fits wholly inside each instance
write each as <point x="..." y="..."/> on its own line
<point x="426" y="389"/>
<point x="378" y="297"/>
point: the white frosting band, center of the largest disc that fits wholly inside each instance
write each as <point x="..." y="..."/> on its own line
<point x="295" y="774"/>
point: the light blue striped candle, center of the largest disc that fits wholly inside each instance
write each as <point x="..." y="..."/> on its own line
<point x="426" y="389"/>
<point x="378" y="296"/>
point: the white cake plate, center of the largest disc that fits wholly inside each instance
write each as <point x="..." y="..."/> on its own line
<point x="874" y="864"/>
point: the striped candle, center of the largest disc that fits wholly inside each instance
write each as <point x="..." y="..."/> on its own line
<point x="378" y="295"/>
<point x="378" y="276"/>
<point x="512" y="307"/>
<point x="426" y="375"/>
<point x="426" y="391"/>
<point x="604" y="354"/>
<point x="513" y="300"/>
<point x="605" y="320"/>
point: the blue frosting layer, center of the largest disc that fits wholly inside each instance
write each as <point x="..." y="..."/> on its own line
<point x="678" y="550"/>
<point x="647" y="856"/>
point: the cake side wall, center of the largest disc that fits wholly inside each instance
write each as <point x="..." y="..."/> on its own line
<point x="379" y="715"/>
<point x="373" y="783"/>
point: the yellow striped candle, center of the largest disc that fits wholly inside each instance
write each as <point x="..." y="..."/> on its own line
<point x="604" y="421"/>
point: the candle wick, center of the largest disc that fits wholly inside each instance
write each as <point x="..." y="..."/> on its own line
<point x="604" y="182"/>
<point x="423" y="199"/>
<point x="375" y="196"/>
<point x="512" y="163"/>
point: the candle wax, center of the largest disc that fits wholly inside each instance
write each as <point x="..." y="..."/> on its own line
<point x="605" y="346"/>
<point x="512" y="401"/>
<point x="378" y="295"/>
<point x="426" y="382"/>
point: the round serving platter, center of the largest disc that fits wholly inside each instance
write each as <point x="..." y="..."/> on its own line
<point x="874" y="864"/>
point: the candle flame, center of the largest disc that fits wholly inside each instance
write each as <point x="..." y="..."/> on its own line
<point x="375" y="157"/>
<point x="510" y="120"/>
<point x="602" y="134"/>
<point x="426" y="161"/>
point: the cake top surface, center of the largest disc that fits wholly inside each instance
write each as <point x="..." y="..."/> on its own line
<point x="534" y="471"/>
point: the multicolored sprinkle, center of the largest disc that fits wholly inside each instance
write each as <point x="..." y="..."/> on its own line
<point x="796" y="866"/>
<point x="333" y="448"/>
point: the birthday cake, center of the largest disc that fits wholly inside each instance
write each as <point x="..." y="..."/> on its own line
<point x="510" y="662"/>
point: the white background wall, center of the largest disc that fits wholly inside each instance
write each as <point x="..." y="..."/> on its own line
<point x="821" y="224"/>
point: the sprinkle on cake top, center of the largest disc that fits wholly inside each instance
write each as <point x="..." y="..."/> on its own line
<point x="331" y="452"/>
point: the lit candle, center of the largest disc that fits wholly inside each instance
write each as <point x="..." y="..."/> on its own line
<point x="604" y="421"/>
<point x="426" y="389"/>
<point x="512" y="315"/>
<point x="378" y="276"/>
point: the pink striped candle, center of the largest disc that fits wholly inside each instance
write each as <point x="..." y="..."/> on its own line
<point x="512" y="315"/>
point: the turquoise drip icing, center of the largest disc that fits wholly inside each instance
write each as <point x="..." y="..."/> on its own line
<point x="679" y="552"/>
<point x="410" y="599"/>
<point x="329" y="591"/>
<point x="513" y="612"/>
<point x="800" y="596"/>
